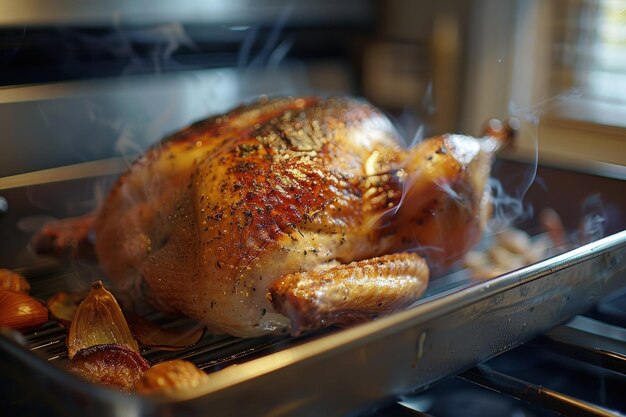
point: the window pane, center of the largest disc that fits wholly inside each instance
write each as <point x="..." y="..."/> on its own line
<point x="606" y="77"/>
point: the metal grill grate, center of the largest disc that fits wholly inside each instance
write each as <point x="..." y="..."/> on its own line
<point x="584" y="340"/>
<point x="211" y="353"/>
<point x="331" y="372"/>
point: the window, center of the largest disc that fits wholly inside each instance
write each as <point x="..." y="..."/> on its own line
<point x="606" y="75"/>
<point x="589" y="48"/>
<point x="559" y="66"/>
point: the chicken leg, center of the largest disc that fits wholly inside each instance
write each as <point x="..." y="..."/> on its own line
<point x="349" y="293"/>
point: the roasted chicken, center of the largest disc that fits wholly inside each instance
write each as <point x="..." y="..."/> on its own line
<point x="300" y="212"/>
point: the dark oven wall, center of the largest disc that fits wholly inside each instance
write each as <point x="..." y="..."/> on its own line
<point x="83" y="84"/>
<point x="87" y="84"/>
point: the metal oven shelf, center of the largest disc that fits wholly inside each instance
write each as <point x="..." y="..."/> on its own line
<point x="339" y="372"/>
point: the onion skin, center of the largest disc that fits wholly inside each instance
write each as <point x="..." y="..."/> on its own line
<point x="151" y="335"/>
<point x="99" y="321"/>
<point x="20" y="311"/>
<point x="169" y="376"/>
<point x="111" y="364"/>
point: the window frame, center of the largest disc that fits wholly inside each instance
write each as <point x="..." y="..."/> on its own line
<point x="568" y="127"/>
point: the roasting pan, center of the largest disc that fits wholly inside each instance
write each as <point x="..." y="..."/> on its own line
<point x="456" y="325"/>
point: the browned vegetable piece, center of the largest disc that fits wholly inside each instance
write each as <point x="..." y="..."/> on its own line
<point x="13" y="281"/>
<point x="514" y="240"/>
<point x="169" y="376"/>
<point x="113" y="364"/>
<point x="552" y="224"/>
<point x="152" y="335"/>
<point x="63" y="306"/>
<point x="99" y="321"/>
<point x="20" y="311"/>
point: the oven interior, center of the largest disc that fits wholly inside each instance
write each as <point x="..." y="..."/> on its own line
<point x="85" y="90"/>
<point x="525" y="348"/>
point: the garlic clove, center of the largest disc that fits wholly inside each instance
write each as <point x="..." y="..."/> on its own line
<point x="504" y="259"/>
<point x="114" y="365"/>
<point x="63" y="306"/>
<point x="20" y="311"/>
<point x="475" y="259"/>
<point x="151" y="335"/>
<point x="13" y="281"/>
<point x="167" y="377"/>
<point x="99" y="321"/>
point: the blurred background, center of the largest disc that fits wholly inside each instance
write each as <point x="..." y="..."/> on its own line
<point x="85" y="81"/>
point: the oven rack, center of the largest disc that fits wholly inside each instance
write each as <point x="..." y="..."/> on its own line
<point x="338" y="373"/>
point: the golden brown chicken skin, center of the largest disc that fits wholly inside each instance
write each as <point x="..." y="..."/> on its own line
<point x="285" y="212"/>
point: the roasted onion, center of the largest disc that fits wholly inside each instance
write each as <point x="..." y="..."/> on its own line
<point x="13" y="281"/>
<point x="151" y="335"/>
<point x="99" y="321"/>
<point x="112" y="364"/>
<point x="20" y="311"/>
<point x="63" y="306"/>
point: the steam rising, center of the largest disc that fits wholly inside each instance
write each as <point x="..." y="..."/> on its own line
<point x="165" y="40"/>
<point x="593" y="220"/>
<point x="270" y="51"/>
<point x="508" y="209"/>
<point x="135" y="134"/>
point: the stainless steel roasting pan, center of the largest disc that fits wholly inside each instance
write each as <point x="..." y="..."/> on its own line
<point x="457" y="325"/>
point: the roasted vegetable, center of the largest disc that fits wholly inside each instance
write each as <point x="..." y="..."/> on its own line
<point x="99" y="321"/>
<point x="110" y="364"/>
<point x="20" y="311"/>
<point x="166" y="377"/>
